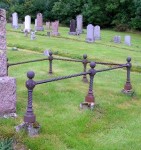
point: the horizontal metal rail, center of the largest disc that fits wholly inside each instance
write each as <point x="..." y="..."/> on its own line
<point x="24" y="62"/>
<point x="61" y="78"/>
<point x="118" y="67"/>
<point x="74" y="60"/>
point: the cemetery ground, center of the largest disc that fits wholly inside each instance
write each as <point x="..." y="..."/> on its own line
<point x="115" y="121"/>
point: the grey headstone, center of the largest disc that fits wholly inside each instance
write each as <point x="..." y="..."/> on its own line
<point x="27" y="23"/>
<point x="97" y="33"/>
<point x="90" y="33"/>
<point x="15" y="20"/>
<point x="117" y="39"/>
<point x="127" y="40"/>
<point x="79" y="20"/>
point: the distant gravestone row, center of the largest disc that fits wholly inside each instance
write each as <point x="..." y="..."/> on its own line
<point x="127" y="39"/>
<point x="76" y="28"/>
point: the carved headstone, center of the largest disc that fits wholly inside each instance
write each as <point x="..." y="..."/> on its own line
<point x="39" y="26"/>
<point x="48" y="25"/>
<point x="127" y="40"/>
<point x="27" y="23"/>
<point x="55" y="26"/>
<point x="72" y="27"/>
<point x="97" y="33"/>
<point x="15" y="20"/>
<point x="79" y="19"/>
<point x="7" y="84"/>
<point x="90" y="33"/>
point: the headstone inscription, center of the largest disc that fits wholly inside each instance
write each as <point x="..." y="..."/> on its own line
<point x="90" y="33"/>
<point x="7" y="84"/>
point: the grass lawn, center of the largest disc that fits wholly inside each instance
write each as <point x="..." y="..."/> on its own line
<point x="115" y="121"/>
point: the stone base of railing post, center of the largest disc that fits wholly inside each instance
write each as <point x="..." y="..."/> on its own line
<point x="32" y="129"/>
<point x="86" y="105"/>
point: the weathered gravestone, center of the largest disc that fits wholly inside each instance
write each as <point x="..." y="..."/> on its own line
<point x="39" y="26"/>
<point x="72" y="27"/>
<point x="32" y="35"/>
<point x="55" y="26"/>
<point x="15" y="20"/>
<point x="7" y="84"/>
<point x="127" y="40"/>
<point x="90" y="33"/>
<point x="97" y="33"/>
<point x="48" y="25"/>
<point x="79" y="20"/>
<point x="27" y="23"/>
<point x="117" y="39"/>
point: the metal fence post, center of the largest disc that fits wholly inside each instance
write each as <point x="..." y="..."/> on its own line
<point x="128" y="87"/>
<point x="89" y="99"/>
<point x="29" y="117"/>
<point x="50" y="62"/>
<point x="85" y="61"/>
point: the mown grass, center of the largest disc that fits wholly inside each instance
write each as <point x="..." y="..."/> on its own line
<point x="113" y="124"/>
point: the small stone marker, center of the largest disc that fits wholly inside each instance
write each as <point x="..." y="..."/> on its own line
<point x="46" y="52"/>
<point x="7" y="84"/>
<point x="48" y="34"/>
<point x="127" y="40"/>
<point x="32" y="35"/>
<point x="90" y="33"/>
<point x="117" y="39"/>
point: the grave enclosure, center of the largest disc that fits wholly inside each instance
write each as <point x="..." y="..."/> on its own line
<point x="30" y="117"/>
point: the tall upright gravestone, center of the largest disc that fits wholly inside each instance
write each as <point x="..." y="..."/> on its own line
<point x="27" y="23"/>
<point x="15" y="20"/>
<point x="90" y="33"/>
<point x="97" y="32"/>
<point x="79" y="19"/>
<point x="39" y="26"/>
<point x="7" y="84"/>
<point x="72" y="27"/>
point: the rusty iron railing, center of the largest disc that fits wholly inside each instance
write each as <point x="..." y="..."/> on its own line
<point x="30" y="117"/>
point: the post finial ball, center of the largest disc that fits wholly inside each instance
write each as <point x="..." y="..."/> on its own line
<point x="50" y="53"/>
<point x="92" y="64"/>
<point x="85" y="56"/>
<point x="128" y="59"/>
<point x="30" y="74"/>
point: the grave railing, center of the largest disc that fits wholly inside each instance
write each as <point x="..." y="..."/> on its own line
<point x="50" y="58"/>
<point x="29" y="116"/>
